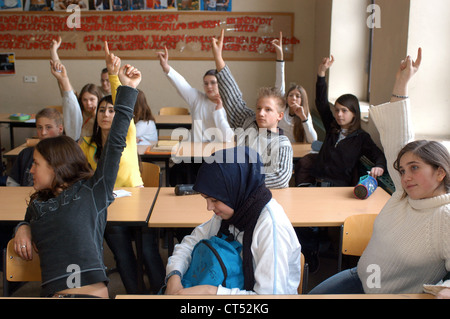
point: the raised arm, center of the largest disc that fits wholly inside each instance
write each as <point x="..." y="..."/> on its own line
<point x="73" y="118"/>
<point x="322" y="103"/>
<point x="233" y="102"/>
<point x="405" y="72"/>
<point x="393" y="119"/>
<point x="108" y="165"/>
<point x="279" y="75"/>
<point x="189" y="94"/>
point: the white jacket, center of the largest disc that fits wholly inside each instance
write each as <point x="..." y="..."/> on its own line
<point x="275" y="249"/>
<point x="206" y="121"/>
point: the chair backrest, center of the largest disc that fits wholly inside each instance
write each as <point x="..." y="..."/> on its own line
<point x="173" y="111"/>
<point x="151" y="174"/>
<point x="356" y="233"/>
<point x="18" y="269"/>
<point x="57" y="107"/>
<point x="303" y="275"/>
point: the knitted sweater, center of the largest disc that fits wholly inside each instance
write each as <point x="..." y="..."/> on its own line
<point x="410" y="245"/>
<point x="275" y="150"/>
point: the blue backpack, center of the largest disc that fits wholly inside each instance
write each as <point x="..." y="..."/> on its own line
<point x="215" y="261"/>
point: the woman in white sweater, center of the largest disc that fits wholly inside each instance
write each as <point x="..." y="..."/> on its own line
<point x="410" y="245"/>
<point x="234" y="189"/>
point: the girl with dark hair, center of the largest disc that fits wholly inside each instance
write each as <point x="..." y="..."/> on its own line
<point x="66" y="216"/>
<point x="120" y="238"/>
<point x="409" y="248"/>
<point x="233" y="185"/>
<point x="345" y="142"/>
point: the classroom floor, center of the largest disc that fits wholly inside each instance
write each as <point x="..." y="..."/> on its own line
<point x="327" y="268"/>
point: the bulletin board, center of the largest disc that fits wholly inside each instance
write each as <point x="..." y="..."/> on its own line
<point x="140" y="34"/>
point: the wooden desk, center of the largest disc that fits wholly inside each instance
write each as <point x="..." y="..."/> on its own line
<point x="304" y="206"/>
<point x="173" y="121"/>
<point x="300" y="150"/>
<point x="132" y="210"/>
<point x="326" y="206"/>
<point x="4" y="118"/>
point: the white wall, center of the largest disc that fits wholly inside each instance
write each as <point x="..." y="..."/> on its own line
<point x="16" y="96"/>
<point x="350" y="47"/>
<point x="430" y="94"/>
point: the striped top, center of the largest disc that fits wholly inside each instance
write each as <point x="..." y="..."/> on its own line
<point x="275" y="150"/>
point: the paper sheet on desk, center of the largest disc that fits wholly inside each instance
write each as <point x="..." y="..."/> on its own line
<point x="121" y="193"/>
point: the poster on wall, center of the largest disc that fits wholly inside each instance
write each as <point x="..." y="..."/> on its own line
<point x="161" y="4"/>
<point x="10" y="4"/>
<point x="7" y="66"/>
<point x="215" y="5"/>
<point x="37" y="5"/>
<point x="61" y="5"/>
<point x="99" y="5"/>
<point x="188" y="4"/>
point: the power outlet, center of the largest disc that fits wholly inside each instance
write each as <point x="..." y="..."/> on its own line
<point x="30" y="79"/>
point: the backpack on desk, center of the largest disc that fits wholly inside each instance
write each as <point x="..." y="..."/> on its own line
<point x="215" y="261"/>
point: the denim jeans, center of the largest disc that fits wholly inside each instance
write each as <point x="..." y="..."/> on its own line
<point x="344" y="282"/>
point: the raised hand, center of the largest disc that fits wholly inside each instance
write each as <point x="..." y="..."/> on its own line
<point x="130" y="76"/>
<point x="407" y="69"/>
<point x="325" y="65"/>
<point x="216" y="47"/>
<point x="164" y="60"/>
<point x="278" y="45"/>
<point x="112" y="62"/>
<point x="54" y="46"/>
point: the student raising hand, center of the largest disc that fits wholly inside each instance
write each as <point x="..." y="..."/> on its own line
<point x="164" y="60"/>
<point x="216" y="47"/>
<point x="130" y="76"/>
<point x="405" y="72"/>
<point x="278" y="45"/>
<point x="112" y="61"/>
<point x="325" y="65"/>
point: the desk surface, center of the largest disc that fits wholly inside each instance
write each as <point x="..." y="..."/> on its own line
<point x="322" y="206"/>
<point x="132" y="209"/>
<point x="199" y="149"/>
<point x="4" y="118"/>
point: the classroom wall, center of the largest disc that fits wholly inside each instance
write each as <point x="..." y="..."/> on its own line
<point x="17" y="96"/>
<point x="407" y="25"/>
<point x="403" y="27"/>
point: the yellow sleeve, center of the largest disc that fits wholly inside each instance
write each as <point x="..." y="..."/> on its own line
<point x="89" y="150"/>
<point x="129" y="174"/>
<point x="115" y="83"/>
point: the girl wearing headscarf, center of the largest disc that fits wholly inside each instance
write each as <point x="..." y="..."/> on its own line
<point x="232" y="183"/>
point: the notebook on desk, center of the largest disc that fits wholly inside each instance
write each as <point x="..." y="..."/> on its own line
<point x="162" y="147"/>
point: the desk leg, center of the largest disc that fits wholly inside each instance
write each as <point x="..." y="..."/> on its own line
<point x="11" y="136"/>
<point x="140" y="260"/>
<point x="169" y="241"/>
<point x="167" y="164"/>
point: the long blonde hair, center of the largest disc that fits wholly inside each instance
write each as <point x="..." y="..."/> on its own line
<point x="299" y="132"/>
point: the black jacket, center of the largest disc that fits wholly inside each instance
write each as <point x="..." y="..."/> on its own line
<point x="338" y="163"/>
